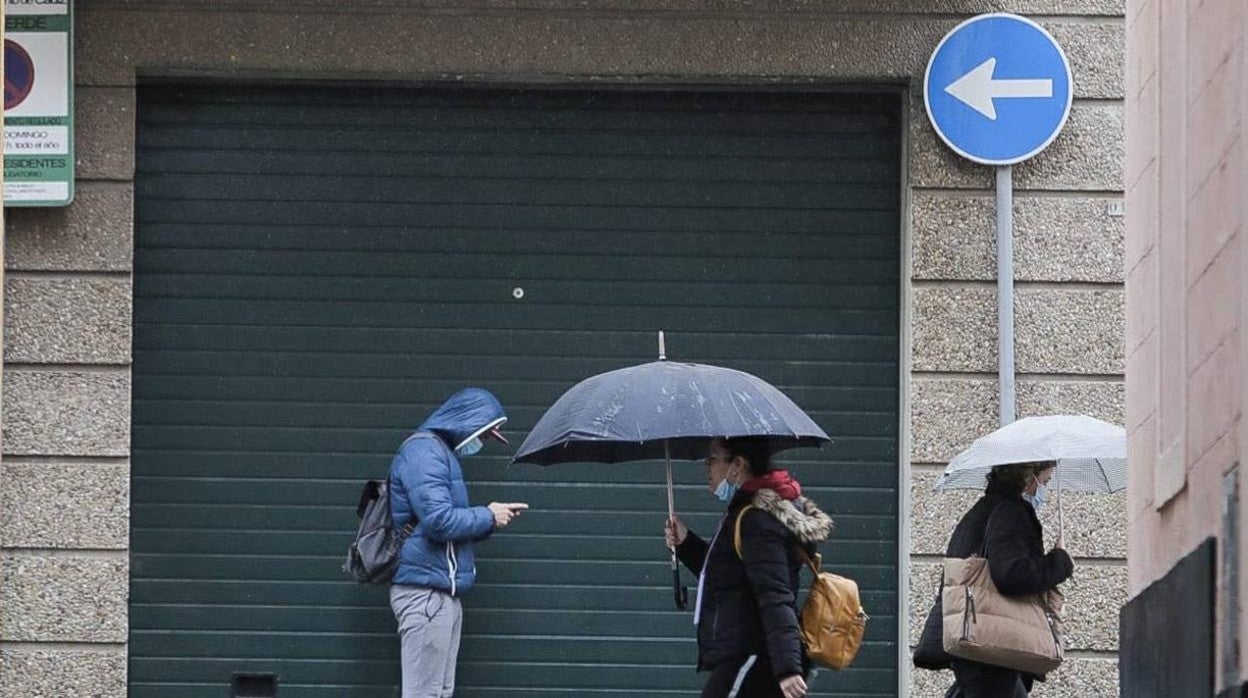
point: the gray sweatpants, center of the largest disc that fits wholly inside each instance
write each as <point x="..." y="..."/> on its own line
<point x="429" y="627"/>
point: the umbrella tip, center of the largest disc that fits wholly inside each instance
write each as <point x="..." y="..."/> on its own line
<point x="662" y="347"/>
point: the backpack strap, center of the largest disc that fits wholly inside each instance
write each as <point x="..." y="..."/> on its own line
<point x="410" y="527"/>
<point x="418" y="435"/>
<point x="736" y="530"/>
<point x="815" y="564"/>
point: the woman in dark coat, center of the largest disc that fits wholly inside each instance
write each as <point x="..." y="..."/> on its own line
<point x="1004" y="527"/>
<point x="746" y="610"/>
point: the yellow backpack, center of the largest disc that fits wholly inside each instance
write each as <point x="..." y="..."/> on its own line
<point x="833" y="620"/>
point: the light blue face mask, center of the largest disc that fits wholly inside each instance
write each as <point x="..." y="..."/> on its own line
<point x="470" y="448"/>
<point x="1038" y="499"/>
<point x="726" y="490"/>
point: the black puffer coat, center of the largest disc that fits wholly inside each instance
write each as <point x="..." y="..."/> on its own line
<point x="749" y="604"/>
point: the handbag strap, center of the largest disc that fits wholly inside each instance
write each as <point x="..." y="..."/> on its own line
<point x="983" y="542"/>
<point x="815" y="564"/>
<point x="1043" y="597"/>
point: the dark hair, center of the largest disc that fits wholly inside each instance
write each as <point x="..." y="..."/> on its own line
<point x="756" y="450"/>
<point x="1012" y="477"/>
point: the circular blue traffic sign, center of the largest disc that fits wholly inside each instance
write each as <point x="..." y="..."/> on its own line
<point x="998" y="89"/>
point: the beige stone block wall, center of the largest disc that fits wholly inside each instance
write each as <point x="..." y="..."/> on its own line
<point x="95" y="234"/>
<point x="67" y="320"/>
<point x="1057" y="330"/>
<point x="66" y="412"/>
<point x="33" y="672"/>
<point x="77" y="597"/>
<point x="64" y="505"/>
<point x="1067" y="238"/>
<point x="66" y="395"/>
<point x="65" y="475"/>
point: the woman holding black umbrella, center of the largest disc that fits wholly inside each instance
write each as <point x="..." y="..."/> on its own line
<point x="746" y="609"/>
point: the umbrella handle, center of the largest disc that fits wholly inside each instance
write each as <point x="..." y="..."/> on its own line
<point x="1061" y="525"/>
<point x="679" y="591"/>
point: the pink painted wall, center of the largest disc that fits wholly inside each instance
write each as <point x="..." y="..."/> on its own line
<point x="1187" y="279"/>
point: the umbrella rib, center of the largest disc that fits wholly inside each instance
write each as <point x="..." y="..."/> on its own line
<point x="1109" y="486"/>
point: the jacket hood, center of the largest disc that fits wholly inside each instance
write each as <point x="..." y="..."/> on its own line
<point x="464" y="415"/>
<point x="801" y="516"/>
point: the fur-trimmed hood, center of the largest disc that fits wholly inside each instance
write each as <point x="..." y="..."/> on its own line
<point x="801" y="516"/>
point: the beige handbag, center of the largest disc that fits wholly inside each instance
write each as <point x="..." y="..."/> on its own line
<point x="981" y="624"/>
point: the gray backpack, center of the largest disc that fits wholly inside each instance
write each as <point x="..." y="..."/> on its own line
<point x="374" y="554"/>
<point x="375" y="551"/>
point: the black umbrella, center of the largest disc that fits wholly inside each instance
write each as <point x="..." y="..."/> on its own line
<point x="660" y="410"/>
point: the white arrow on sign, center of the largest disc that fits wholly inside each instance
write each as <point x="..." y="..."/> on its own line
<point x="977" y="89"/>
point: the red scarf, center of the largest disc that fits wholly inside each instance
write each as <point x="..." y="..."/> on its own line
<point x="778" y="480"/>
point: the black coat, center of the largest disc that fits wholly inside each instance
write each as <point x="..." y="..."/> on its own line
<point x="1014" y="545"/>
<point x="749" y="604"/>
<point x="1004" y="528"/>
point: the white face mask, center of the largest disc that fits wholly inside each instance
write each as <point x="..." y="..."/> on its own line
<point x="1038" y="499"/>
<point x="726" y="490"/>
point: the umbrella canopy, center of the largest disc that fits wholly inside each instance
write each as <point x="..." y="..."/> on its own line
<point x="636" y="413"/>
<point x="1091" y="455"/>
<point x="664" y="409"/>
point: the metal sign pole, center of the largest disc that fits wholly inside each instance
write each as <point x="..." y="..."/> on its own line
<point x="1005" y="291"/>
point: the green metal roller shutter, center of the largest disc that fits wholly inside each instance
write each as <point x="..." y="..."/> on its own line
<point x="317" y="268"/>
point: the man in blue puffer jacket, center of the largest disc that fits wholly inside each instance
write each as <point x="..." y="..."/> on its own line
<point x="436" y="563"/>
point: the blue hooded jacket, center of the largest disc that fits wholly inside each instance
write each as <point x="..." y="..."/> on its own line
<point x="427" y="484"/>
